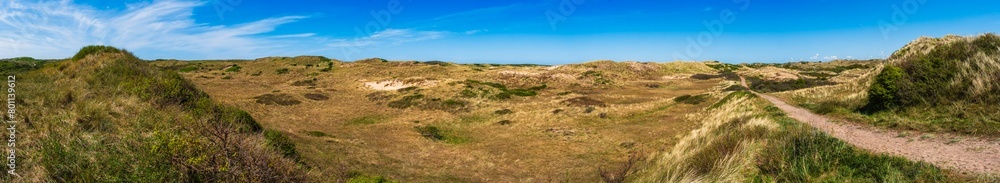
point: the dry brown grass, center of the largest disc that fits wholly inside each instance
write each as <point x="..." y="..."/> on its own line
<point x="530" y="143"/>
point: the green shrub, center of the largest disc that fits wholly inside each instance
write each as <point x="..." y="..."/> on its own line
<point x="366" y="120"/>
<point x="234" y="68"/>
<point x="430" y="132"/>
<point x="522" y="92"/>
<point x="245" y="122"/>
<point x="688" y="99"/>
<point x="767" y="86"/>
<point x="883" y="94"/>
<point x="329" y="67"/>
<point x="280" y="142"/>
<point x="407" y="89"/>
<point x="407" y="101"/>
<point x="540" y="87"/>
<point x="316" y="133"/>
<point x="281" y="71"/>
<point x="188" y="68"/>
<point x="735" y="88"/>
<point x="503" y="112"/>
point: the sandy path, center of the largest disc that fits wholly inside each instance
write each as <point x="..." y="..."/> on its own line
<point x="969" y="154"/>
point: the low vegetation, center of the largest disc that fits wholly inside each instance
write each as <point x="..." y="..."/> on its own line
<point x="744" y="139"/>
<point x="768" y="86"/>
<point x="115" y="118"/>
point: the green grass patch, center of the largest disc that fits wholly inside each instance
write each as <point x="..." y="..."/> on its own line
<point x="281" y="71"/>
<point x="234" y="68"/>
<point x="279" y="141"/>
<point x="693" y="100"/>
<point x="367" y="120"/>
<point x="316" y="133"/>
<point x="188" y="68"/>
<point x="94" y="49"/>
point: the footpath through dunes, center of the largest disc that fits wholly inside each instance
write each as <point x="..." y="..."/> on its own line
<point x="970" y="154"/>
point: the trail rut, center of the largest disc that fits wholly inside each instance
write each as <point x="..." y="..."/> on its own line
<point x="967" y="154"/>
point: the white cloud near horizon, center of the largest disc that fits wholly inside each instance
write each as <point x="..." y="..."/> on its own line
<point x="389" y="37"/>
<point x="162" y="29"/>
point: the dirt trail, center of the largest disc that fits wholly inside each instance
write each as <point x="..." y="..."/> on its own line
<point x="968" y="154"/>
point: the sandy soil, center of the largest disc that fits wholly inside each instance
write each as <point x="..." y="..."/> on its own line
<point x="967" y="154"/>
<point x="391" y="85"/>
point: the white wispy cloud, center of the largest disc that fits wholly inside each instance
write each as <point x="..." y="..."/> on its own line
<point x="471" y="32"/>
<point x="162" y="29"/>
<point x="389" y="37"/>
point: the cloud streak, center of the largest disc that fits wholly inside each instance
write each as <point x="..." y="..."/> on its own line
<point x="163" y="29"/>
<point x="390" y="37"/>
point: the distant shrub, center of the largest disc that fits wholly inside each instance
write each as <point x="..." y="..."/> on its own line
<point x="407" y="101"/>
<point x="584" y="101"/>
<point x="503" y="112"/>
<point x="705" y="76"/>
<point x="767" y="86"/>
<point x="281" y="71"/>
<point x="308" y="82"/>
<point x="329" y="67"/>
<point x="504" y="122"/>
<point x="234" y="68"/>
<point x="407" y="89"/>
<point x="435" y="62"/>
<point x="316" y="133"/>
<point x="277" y="99"/>
<point x="316" y="96"/>
<point x="540" y="87"/>
<point x="366" y="120"/>
<point x="688" y="99"/>
<point x="522" y="92"/>
<point x="430" y="132"/>
<point x="20" y="64"/>
<point x="188" y="68"/>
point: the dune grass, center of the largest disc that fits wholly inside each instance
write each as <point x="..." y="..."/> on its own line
<point x="745" y="139"/>
<point x="115" y="118"/>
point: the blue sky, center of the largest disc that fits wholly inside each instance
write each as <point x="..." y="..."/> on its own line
<point x="516" y="31"/>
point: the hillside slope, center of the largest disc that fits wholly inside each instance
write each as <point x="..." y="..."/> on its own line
<point x="105" y="115"/>
<point x="955" y="78"/>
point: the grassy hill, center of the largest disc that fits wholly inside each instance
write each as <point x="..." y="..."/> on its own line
<point x="105" y="115"/>
<point x="948" y="83"/>
<point x="743" y="138"/>
<point x="931" y="85"/>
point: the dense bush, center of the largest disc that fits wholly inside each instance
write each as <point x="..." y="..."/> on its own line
<point x="883" y="92"/>
<point x="281" y="71"/>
